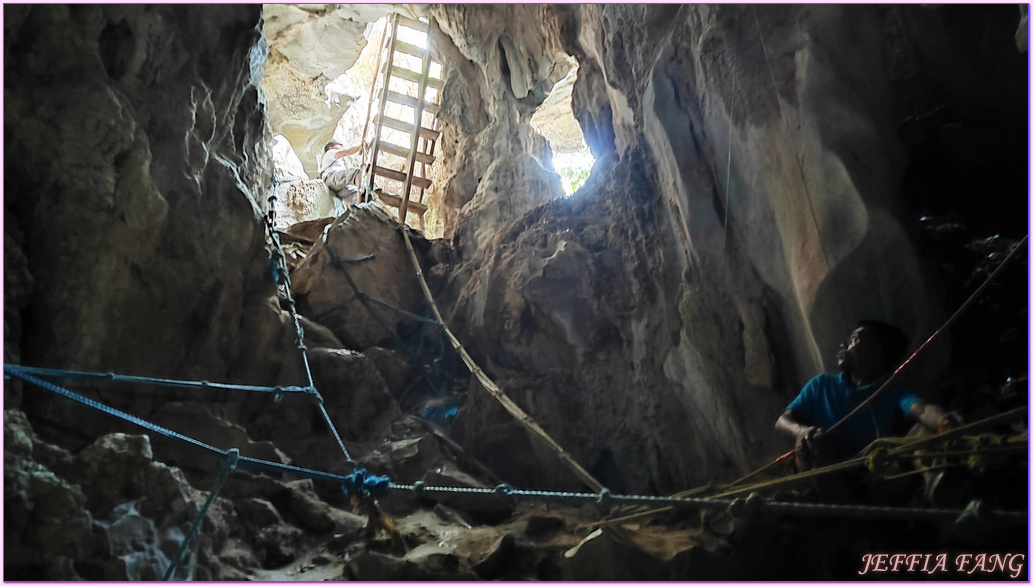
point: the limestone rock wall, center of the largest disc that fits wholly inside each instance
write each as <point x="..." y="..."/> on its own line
<point x="745" y="212"/>
<point x="501" y="63"/>
<point x="136" y="168"/>
<point x="310" y="46"/>
<point x="134" y="171"/>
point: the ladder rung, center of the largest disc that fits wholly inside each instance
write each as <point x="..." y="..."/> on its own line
<point x="396" y="124"/>
<point x="429" y="134"/>
<point x="410" y="101"/>
<point x="403" y="152"/>
<point x="418" y="182"/>
<point x="396" y="201"/>
<point x="409" y="49"/>
<point x="406" y="74"/>
<point x="413" y="24"/>
<point x="413" y="76"/>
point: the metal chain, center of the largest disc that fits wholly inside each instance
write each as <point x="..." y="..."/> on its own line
<point x="282" y="277"/>
<point x="752" y="504"/>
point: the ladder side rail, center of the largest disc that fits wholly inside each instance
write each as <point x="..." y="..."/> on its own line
<point x="418" y="120"/>
<point x="383" y="102"/>
<point x="429" y="145"/>
<point x="369" y="106"/>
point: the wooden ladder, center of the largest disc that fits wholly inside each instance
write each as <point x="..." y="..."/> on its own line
<point x="404" y="115"/>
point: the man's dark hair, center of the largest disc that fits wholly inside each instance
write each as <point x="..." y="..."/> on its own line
<point x="892" y="340"/>
<point x="330" y="144"/>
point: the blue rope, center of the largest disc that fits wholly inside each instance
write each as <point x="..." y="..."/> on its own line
<point x="15" y="371"/>
<point x="360" y="482"/>
<point x="333" y="429"/>
<point x="412" y="356"/>
<point x="164" y="382"/>
<point x="283" y="279"/>
<point x="228" y="466"/>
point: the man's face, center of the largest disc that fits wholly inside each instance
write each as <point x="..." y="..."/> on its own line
<point x="862" y="353"/>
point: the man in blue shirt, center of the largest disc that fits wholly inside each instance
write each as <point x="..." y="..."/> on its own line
<point x="866" y="361"/>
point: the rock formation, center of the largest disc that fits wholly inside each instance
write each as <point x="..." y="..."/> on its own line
<point x="310" y="46"/>
<point x="765" y="175"/>
<point x="737" y="223"/>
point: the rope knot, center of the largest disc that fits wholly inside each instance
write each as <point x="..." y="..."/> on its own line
<point x="232" y="457"/>
<point x="359" y="482"/>
<point x="754" y="504"/>
<point x="737" y="508"/>
<point x="604" y="499"/>
<point x="504" y="491"/>
<point x="877" y="460"/>
<point x="417" y="488"/>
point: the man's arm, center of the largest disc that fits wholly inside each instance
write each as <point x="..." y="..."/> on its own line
<point x="790" y="424"/>
<point x="348" y="151"/>
<point x="934" y="417"/>
<point x="793" y="425"/>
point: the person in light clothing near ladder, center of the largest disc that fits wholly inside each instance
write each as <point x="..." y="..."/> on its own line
<point x="342" y="180"/>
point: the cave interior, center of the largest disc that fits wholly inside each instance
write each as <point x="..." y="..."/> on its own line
<point x="214" y="371"/>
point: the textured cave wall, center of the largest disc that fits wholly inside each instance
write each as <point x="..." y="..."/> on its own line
<point x="134" y="177"/>
<point x="501" y="61"/>
<point x="654" y="324"/>
<point x="742" y="213"/>
<point x="310" y="46"/>
<point x="747" y="211"/>
<point x="136" y="169"/>
<point x="135" y="155"/>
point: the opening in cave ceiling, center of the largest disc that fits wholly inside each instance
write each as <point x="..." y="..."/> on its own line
<point x="310" y="108"/>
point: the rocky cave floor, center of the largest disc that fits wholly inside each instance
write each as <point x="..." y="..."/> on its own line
<point x="116" y="508"/>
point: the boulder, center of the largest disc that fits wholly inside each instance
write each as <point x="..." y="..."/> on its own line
<point x="353" y="392"/>
<point x="136" y="548"/>
<point x="321" y="282"/>
<point x="46" y="522"/>
<point x="427" y="564"/>
<point x="494" y="559"/>
<point x="255" y="513"/>
<point x="393" y="367"/>
<point x="410" y="459"/>
<point x="302" y="200"/>
<point x="318" y="516"/>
